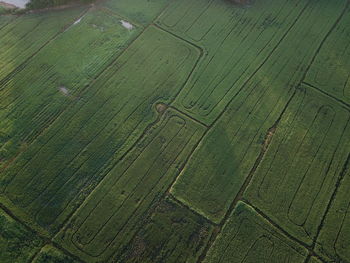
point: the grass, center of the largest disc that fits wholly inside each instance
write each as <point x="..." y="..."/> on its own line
<point x="330" y="70"/>
<point x="17" y="243"/>
<point x="235" y="43"/>
<point x="187" y="131"/>
<point x="170" y="234"/>
<point x="333" y="243"/>
<point x="314" y="260"/>
<point x="308" y="151"/>
<point x="47" y="178"/>
<point x="23" y="37"/>
<point x="106" y="221"/>
<point x="139" y="11"/>
<point x="49" y="254"/>
<point x="231" y="149"/>
<point x="5" y="19"/>
<point x="246" y="237"/>
<point x="37" y="94"/>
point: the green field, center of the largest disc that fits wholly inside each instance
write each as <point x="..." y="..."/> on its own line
<point x="247" y="237"/>
<point x="52" y="255"/>
<point x="17" y="243"/>
<point x="176" y="131"/>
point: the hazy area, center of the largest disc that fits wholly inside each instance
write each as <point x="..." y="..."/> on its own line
<point x="18" y="3"/>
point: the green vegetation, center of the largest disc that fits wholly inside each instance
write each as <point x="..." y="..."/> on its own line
<point x="46" y="179"/>
<point x="38" y="4"/>
<point x="330" y="70"/>
<point x="232" y="147"/>
<point x="22" y="38"/>
<point x="234" y="47"/>
<point x="5" y="19"/>
<point x="49" y="254"/>
<point x="175" y="131"/>
<point x="139" y="11"/>
<point x="246" y="237"/>
<point x="38" y="93"/>
<point x="107" y="219"/>
<point x="4" y="10"/>
<point x="170" y="234"/>
<point x="308" y="150"/>
<point x="333" y="242"/>
<point x="17" y="243"/>
<point x="314" y="260"/>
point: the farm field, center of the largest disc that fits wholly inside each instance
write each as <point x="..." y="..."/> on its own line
<point x="176" y="131"/>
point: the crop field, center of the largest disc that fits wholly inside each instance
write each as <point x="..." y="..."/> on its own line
<point x="36" y="95"/>
<point x="51" y="254"/>
<point x="17" y="243"/>
<point x="22" y="38"/>
<point x="308" y="150"/>
<point x="247" y="237"/>
<point x="139" y="11"/>
<point x="4" y="20"/>
<point x="176" y="131"/>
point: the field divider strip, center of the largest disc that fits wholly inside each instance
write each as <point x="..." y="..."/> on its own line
<point x="179" y="37"/>
<point x="338" y="101"/>
<point x="108" y="167"/>
<point x="200" y="57"/>
<point x="260" y="66"/>
<point x="183" y="205"/>
<point x="307" y="259"/>
<point x="325" y="39"/>
<point x="81" y="93"/>
<point x="310" y="249"/>
<point x="23" y="64"/>
<point x="342" y="103"/>
<point x="190" y="117"/>
<point x="239" y="197"/>
<point x="340" y="179"/>
<point x="45" y="239"/>
<point x="32" y="258"/>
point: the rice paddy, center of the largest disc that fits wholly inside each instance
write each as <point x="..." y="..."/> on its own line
<point x="158" y="131"/>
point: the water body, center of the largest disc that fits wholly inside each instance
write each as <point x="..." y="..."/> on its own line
<point x="126" y="24"/>
<point x="18" y="3"/>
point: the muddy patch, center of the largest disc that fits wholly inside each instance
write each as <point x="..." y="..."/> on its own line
<point x="126" y="24"/>
<point x="161" y="107"/>
<point x="64" y="90"/>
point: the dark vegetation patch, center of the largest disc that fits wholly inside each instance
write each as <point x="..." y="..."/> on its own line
<point x="39" y="4"/>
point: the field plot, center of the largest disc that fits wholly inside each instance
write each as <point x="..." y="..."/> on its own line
<point x="176" y="131"/>
<point x="333" y="242"/>
<point x="236" y="42"/>
<point x="49" y="254"/>
<point x="305" y="159"/>
<point x="314" y="260"/>
<point x="17" y="243"/>
<point x="140" y="11"/>
<point x="4" y="20"/>
<point x="47" y="178"/>
<point x="330" y="71"/>
<point x="234" y="145"/>
<point x="172" y="234"/>
<point x="110" y="216"/>
<point x="27" y="34"/>
<point x="37" y="94"/>
<point x="248" y="238"/>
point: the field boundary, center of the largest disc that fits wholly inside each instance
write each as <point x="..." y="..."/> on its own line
<point x="5" y="79"/>
<point x="46" y="240"/>
<point x="330" y="96"/>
